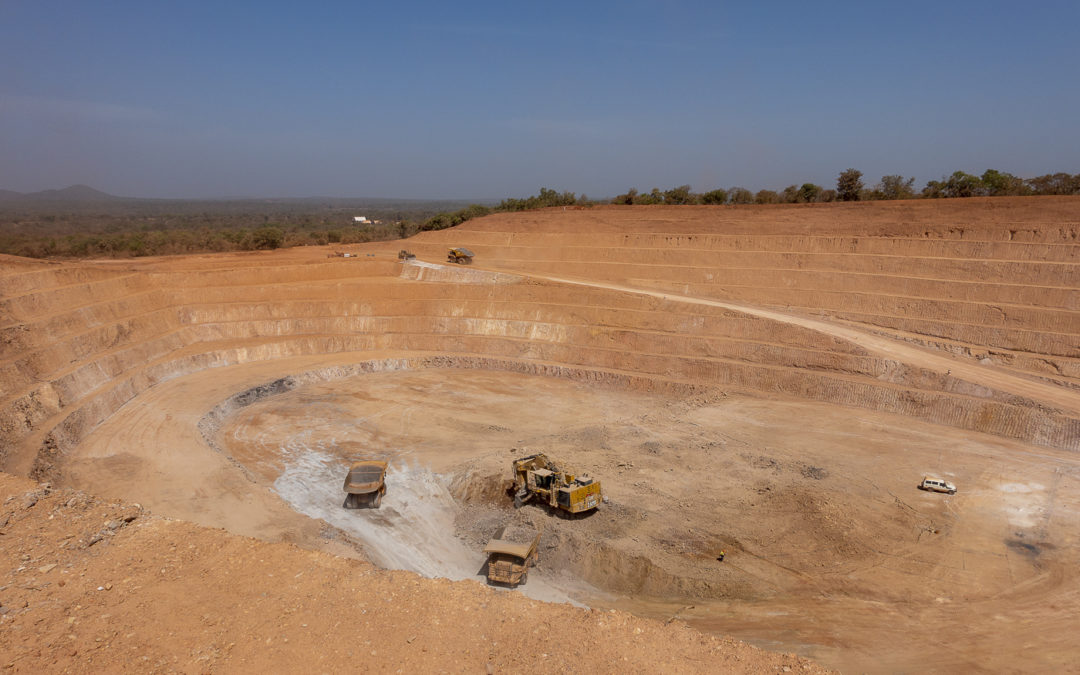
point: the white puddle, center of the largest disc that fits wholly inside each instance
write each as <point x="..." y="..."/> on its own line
<point x="412" y="530"/>
<point x="1021" y="487"/>
<point x="1023" y="503"/>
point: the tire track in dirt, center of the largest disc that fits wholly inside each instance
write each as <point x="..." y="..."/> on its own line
<point x="992" y="378"/>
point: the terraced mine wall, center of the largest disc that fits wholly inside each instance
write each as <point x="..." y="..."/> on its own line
<point x="994" y="283"/>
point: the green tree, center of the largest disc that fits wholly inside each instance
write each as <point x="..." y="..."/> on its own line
<point x="895" y="187"/>
<point x="1055" y="184"/>
<point x="440" y="221"/>
<point x="473" y="211"/>
<point x="934" y="189"/>
<point x="767" y="197"/>
<point x="717" y="196"/>
<point x="546" y="198"/>
<point x="1000" y="183"/>
<point x="849" y="185"/>
<point x="739" y="195"/>
<point x="808" y="193"/>
<point x="961" y="184"/>
<point x="680" y="195"/>
<point x="654" y="196"/>
<point x="267" y="237"/>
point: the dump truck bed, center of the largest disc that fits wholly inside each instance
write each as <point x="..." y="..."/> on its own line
<point x="510" y="552"/>
<point x="515" y="541"/>
<point x="365" y="477"/>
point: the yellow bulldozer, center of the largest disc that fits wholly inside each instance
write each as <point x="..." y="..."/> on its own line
<point x="536" y="476"/>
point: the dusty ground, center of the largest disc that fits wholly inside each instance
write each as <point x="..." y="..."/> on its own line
<point x="88" y="585"/>
<point x="767" y="381"/>
<point x="831" y="550"/>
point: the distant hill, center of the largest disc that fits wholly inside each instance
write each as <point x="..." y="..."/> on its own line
<point x="75" y="193"/>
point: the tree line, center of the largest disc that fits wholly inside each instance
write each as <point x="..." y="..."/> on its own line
<point x="546" y="198"/>
<point x="137" y="243"/>
<point x="131" y="228"/>
<point x="136" y="233"/>
<point x="850" y="187"/>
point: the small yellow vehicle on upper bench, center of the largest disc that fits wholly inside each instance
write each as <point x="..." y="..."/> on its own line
<point x="461" y="256"/>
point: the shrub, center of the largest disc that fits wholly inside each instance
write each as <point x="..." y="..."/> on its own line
<point x="680" y="195"/>
<point x="714" y="197"/>
<point x="738" y="195"/>
<point x="267" y="238"/>
<point x="808" y="193"/>
<point x="894" y="187"/>
<point x="767" y="197"/>
<point x="849" y="185"/>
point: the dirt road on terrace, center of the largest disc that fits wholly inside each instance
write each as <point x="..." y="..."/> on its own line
<point x="986" y="376"/>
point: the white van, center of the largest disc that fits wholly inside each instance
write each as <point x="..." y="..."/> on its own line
<point x="937" y="485"/>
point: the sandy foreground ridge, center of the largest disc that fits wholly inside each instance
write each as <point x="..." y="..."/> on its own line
<point x="98" y="586"/>
<point x="771" y="382"/>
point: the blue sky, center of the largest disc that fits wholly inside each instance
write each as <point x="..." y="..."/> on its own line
<point x="477" y="100"/>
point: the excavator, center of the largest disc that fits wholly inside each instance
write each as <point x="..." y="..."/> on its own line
<point x="536" y="476"/>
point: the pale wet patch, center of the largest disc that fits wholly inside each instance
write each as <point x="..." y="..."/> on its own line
<point x="1023" y="503"/>
<point x="412" y="530"/>
<point x="1021" y="487"/>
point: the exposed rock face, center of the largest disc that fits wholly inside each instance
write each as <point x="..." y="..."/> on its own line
<point x="993" y="283"/>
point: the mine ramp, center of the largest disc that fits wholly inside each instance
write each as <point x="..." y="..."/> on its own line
<point x="365" y="484"/>
<point x="510" y="553"/>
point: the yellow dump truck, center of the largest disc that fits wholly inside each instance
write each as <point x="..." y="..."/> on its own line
<point x="536" y="476"/>
<point x="510" y="553"/>
<point x="462" y="256"/>
<point x="365" y="484"/>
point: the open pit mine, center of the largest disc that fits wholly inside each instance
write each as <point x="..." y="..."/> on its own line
<point x="761" y="392"/>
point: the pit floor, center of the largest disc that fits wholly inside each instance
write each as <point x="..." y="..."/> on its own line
<point x="831" y="551"/>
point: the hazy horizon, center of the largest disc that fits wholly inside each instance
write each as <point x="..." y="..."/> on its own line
<point x="430" y="101"/>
